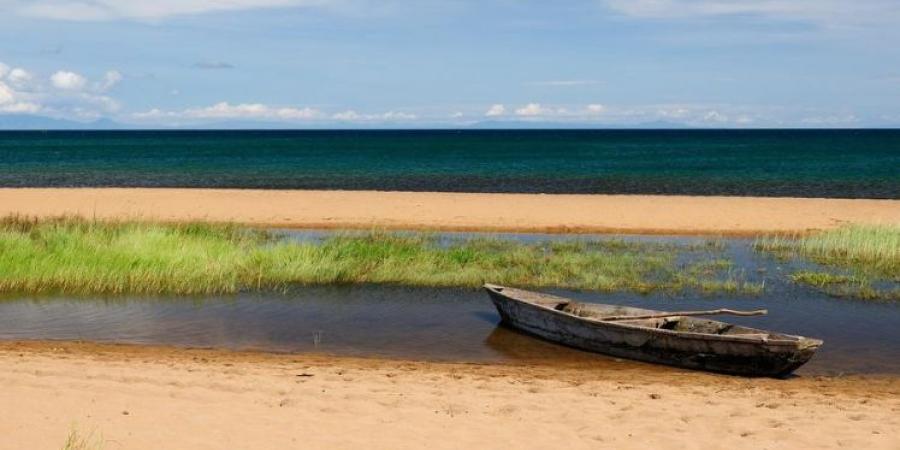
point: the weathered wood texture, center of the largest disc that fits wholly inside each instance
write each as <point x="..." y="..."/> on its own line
<point x="685" y="342"/>
<point x="710" y="312"/>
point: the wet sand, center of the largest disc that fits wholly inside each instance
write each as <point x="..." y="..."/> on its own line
<point x="156" y="397"/>
<point x="642" y="214"/>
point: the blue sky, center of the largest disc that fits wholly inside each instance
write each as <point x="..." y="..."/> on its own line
<point x="323" y="63"/>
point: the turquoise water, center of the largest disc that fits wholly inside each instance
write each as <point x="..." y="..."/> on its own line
<point x="802" y="163"/>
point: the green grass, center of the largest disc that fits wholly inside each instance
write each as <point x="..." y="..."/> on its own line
<point x="84" y="257"/>
<point x="823" y="279"/>
<point x="871" y="248"/>
<point x="845" y="286"/>
<point x="869" y="253"/>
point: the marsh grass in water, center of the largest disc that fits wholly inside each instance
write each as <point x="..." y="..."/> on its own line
<point x="85" y="257"/>
<point x="869" y="254"/>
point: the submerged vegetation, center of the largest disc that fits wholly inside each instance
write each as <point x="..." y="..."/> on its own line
<point x="868" y="254"/>
<point x="85" y="257"/>
<point x="872" y="248"/>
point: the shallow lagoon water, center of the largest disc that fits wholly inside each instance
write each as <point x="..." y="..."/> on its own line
<point x="450" y="324"/>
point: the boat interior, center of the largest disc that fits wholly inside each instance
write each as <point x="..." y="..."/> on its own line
<point x="674" y="322"/>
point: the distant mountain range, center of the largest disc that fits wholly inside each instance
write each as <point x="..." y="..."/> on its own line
<point x="32" y="122"/>
<point x="518" y="124"/>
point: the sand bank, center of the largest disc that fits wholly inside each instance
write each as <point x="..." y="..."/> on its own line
<point x="151" y="397"/>
<point x="456" y="211"/>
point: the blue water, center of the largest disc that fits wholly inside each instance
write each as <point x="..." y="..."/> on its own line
<point x="802" y="163"/>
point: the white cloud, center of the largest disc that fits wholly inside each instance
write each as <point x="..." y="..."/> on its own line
<point x="64" y="94"/>
<point x="673" y="112"/>
<point x="14" y="102"/>
<point x="12" y="98"/>
<point x="110" y="79"/>
<point x="706" y="115"/>
<point x="531" y="109"/>
<point x="390" y="116"/>
<point x="19" y="77"/>
<point x="96" y="10"/>
<point x="99" y="103"/>
<point x="595" y="108"/>
<point x="260" y="111"/>
<point x="297" y="114"/>
<point x="396" y="115"/>
<point x="68" y="81"/>
<point x="21" y="108"/>
<point x="6" y="94"/>
<point x="822" y="12"/>
<point x="154" y="113"/>
<point x="346" y="115"/>
<point x="700" y="114"/>
<point x="496" y="110"/>
<point x="714" y="116"/>
<point x="827" y="12"/>
<point x="225" y="110"/>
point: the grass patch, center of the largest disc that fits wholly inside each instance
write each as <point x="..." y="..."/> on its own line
<point x="871" y="248"/>
<point x="78" y="441"/>
<point x="84" y="257"/>
<point x="838" y="285"/>
<point x="869" y="253"/>
<point x="823" y="279"/>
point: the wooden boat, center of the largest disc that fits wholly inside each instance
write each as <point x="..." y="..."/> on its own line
<point x="673" y="338"/>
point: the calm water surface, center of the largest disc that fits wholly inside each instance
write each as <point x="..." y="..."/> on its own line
<point x="429" y="324"/>
<point x="448" y="324"/>
<point x="797" y="163"/>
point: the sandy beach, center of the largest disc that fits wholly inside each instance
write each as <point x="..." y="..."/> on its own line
<point x="155" y="397"/>
<point x="641" y="214"/>
<point x="146" y="397"/>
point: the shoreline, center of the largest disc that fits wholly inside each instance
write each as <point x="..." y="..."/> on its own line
<point x="151" y="397"/>
<point x="574" y="369"/>
<point x="439" y="211"/>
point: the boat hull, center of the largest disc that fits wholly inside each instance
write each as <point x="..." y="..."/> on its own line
<point x="749" y="358"/>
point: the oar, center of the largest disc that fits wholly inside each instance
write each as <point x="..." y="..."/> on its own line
<point x="711" y="312"/>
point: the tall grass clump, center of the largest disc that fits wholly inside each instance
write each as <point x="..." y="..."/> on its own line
<point x="85" y="257"/>
<point x="419" y="260"/>
<point x="870" y="253"/>
<point x="871" y="248"/>
<point x="78" y="256"/>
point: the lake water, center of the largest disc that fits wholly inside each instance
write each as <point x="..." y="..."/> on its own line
<point x="796" y="163"/>
<point x="428" y="324"/>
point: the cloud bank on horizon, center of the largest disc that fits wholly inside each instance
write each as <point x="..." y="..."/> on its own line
<point x="322" y="63"/>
